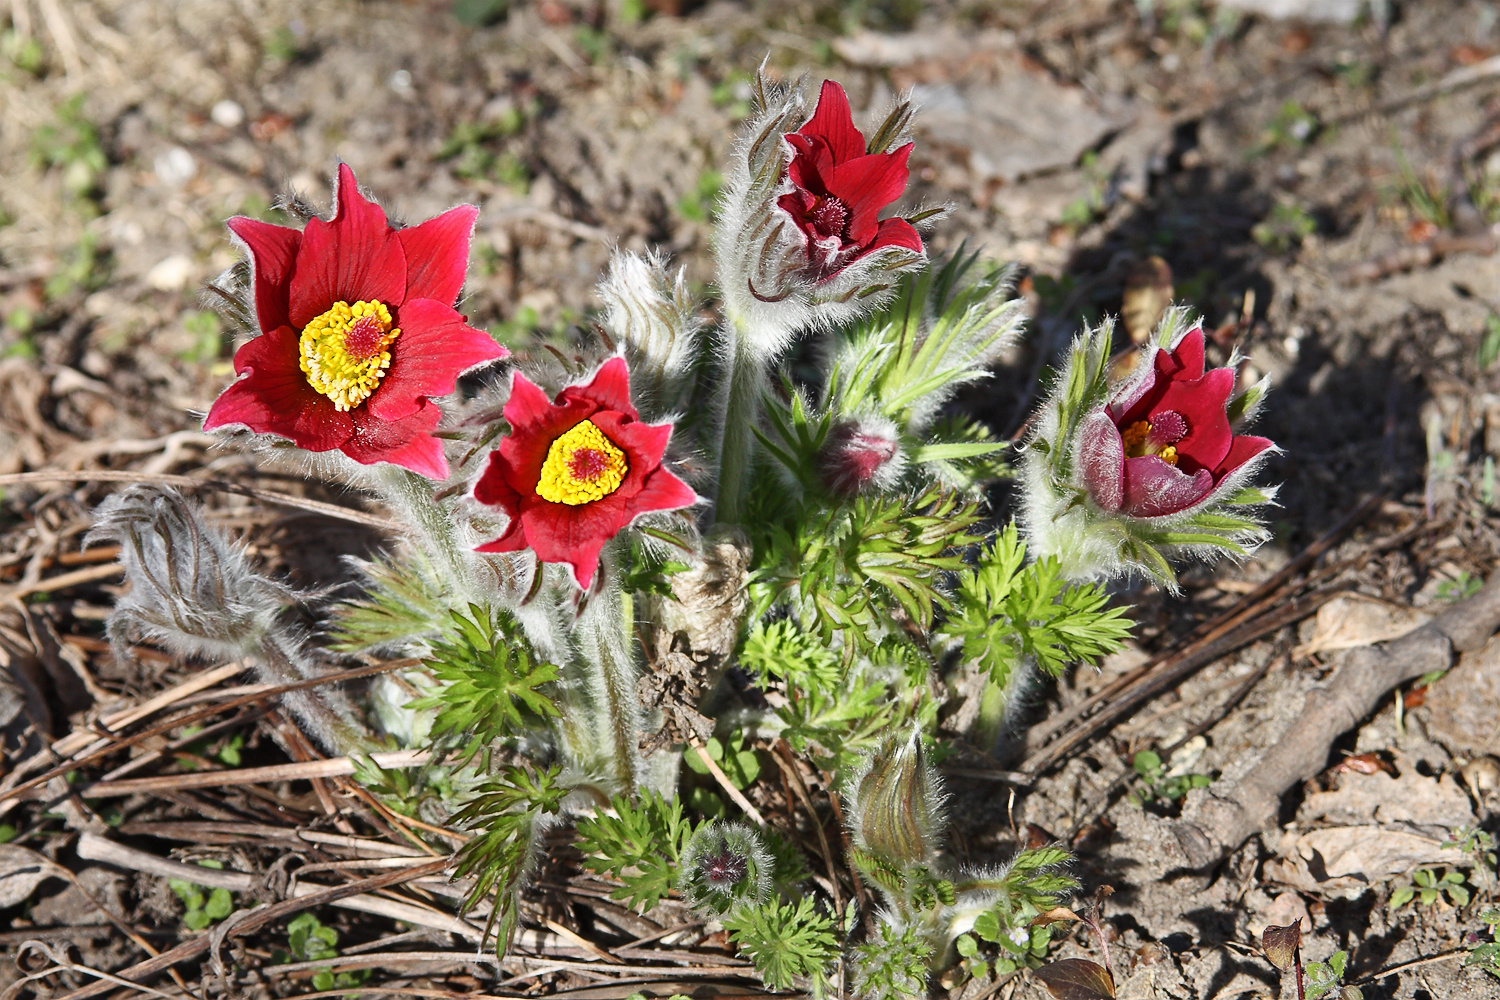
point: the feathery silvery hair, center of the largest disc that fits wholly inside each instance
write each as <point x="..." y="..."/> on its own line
<point x="193" y="591"/>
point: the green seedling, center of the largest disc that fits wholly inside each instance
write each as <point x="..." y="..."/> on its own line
<point x="202" y="910"/>
<point x="697" y="205"/>
<point x="1428" y="888"/>
<point x="1485" y="954"/>
<point x="1157" y="784"/>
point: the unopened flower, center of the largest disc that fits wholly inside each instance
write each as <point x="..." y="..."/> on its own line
<point x="894" y="804"/>
<point x="1164" y="442"/>
<point x="357" y="332"/>
<point x="860" y="455"/>
<point x="839" y="189"/>
<point x="725" y="865"/>
<point x="1118" y="478"/>
<point x="575" y="472"/>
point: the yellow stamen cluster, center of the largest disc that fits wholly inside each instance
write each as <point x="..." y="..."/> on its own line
<point x="582" y="466"/>
<point x="345" y="351"/>
<point x="1136" y="438"/>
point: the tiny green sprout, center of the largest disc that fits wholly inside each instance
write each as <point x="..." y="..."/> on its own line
<point x="1428" y="888"/>
<point x="1482" y="953"/>
<point x="1489" y="343"/>
<point x="1459" y="588"/>
<point x="201" y="910"/>
<point x="1157" y="784"/>
<point x="697" y="205"/>
<point x="740" y="764"/>
<point x="1324" y="978"/>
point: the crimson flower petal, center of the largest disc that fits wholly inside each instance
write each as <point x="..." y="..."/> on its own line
<point x="811" y="164"/>
<point x="273" y="396"/>
<point x="1154" y="488"/>
<point x="437" y="255"/>
<point x="355" y="256"/>
<point x="664" y="491"/>
<point x="1187" y="356"/>
<point x="609" y="389"/>
<point x="273" y="251"/>
<point x="867" y="184"/>
<point x="833" y="122"/>
<point x="573" y="535"/>
<point x="897" y="233"/>
<point x="1243" y="449"/>
<point x="408" y="442"/>
<point x="435" y="346"/>
<point x="1201" y="402"/>
<point x="1101" y="459"/>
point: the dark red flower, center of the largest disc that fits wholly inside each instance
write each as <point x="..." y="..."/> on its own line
<point x="840" y="189"/>
<point x="1164" y="445"/>
<point x="573" y="473"/>
<point x="358" y="331"/>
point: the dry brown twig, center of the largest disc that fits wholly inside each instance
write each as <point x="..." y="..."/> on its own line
<point x="1224" y="815"/>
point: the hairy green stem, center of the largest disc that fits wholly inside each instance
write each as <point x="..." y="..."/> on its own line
<point x="743" y="379"/>
<point x="993" y="702"/>
<point x="431" y="523"/>
<point x="600" y="721"/>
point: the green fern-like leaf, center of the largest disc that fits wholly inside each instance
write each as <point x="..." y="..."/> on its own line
<point x="402" y="601"/>
<point x="861" y="568"/>
<point x="1005" y="610"/>
<point x="507" y="811"/>
<point x="892" y="965"/>
<point x="640" y="845"/>
<point x="491" y="683"/>
<point x="786" y="942"/>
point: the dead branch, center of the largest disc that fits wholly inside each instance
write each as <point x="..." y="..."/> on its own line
<point x="1224" y="816"/>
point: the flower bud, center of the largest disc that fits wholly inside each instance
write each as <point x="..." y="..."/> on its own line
<point x="725" y="865"/>
<point x="861" y="455"/>
<point x="193" y="590"/>
<point x="895" y="804"/>
<point x="1118" y="478"/>
<point x="653" y="315"/>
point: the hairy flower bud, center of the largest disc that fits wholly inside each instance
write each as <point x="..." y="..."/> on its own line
<point x="1118" y="478"/>
<point x="653" y="315"/>
<point x="724" y="866"/>
<point x="895" y="804"/>
<point x="194" y="591"/>
<point x="861" y="455"/>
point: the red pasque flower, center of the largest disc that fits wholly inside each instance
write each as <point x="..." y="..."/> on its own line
<point x="573" y="473"/>
<point x="358" y="331"/>
<point x="840" y="189"/>
<point x="1166" y="443"/>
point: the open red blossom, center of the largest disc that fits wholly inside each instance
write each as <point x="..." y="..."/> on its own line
<point x="839" y="189"/>
<point x="358" y="331"/>
<point x="1166" y="443"/>
<point x="574" y="473"/>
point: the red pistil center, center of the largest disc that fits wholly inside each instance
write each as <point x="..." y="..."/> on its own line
<point x="365" y="338"/>
<point x="828" y="216"/>
<point x="587" y="464"/>
<point x="1156" y="436"/>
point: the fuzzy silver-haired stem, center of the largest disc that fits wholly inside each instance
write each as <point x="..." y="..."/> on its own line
<point x="599" y="724"/>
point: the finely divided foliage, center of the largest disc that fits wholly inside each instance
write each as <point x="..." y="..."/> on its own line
<point x="569" y="617"/>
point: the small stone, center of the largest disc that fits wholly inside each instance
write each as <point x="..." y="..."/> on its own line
<point x="227" y="114"/>
<point x="172" y="274"/>
<point x="175" y="166"/>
